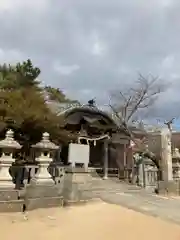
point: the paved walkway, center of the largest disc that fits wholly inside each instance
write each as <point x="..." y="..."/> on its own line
<point x="132" y="197"/>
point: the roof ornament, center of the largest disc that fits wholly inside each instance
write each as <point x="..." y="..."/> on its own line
<point x="169" y="124"/>
<point x="91" y="103"/>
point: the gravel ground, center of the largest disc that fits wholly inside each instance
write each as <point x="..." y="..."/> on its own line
<point x="92" y="221"/>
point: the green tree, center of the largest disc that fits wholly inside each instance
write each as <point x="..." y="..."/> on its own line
<point x="21" y="75"/>
<point x="29" y="117"/>
<point x="26" y="112"/>
<point x="55" y="94"/>
<point x="23" y="107"/>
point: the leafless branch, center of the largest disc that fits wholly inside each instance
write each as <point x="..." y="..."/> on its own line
<point x="141" y="96"/>
<point x="138" y="97"/>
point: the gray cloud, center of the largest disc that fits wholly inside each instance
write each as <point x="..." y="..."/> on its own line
<point x="97" y="45"/>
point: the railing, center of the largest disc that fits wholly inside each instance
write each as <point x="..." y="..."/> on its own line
<point x="146" y="177"/>
<point x="112" y="172"/>
<point x="57" y="172"/>
<point x="151" y="177"/>
<point x="22" y="175"/>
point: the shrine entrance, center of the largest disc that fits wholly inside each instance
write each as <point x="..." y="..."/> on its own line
<point x="95" y="128"/>
<point x="96" y="154"/>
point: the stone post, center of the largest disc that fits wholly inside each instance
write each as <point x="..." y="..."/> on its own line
<point x="160" y="143"/>
<point x="8" y="145"/>
<point x="44" y="150"/>
<point x="166" y="155"/>
<point x="105" y="160"/>
<point x="176" y="164"/>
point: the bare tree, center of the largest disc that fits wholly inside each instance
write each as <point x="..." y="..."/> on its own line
<point x="142" y="95"/>
<point x="139" y="97"/>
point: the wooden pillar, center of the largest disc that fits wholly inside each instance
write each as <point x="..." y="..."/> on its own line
<point x="105" y="160"/>
<point x="130" y="163"/>
<point x="121" y="159"/>
<point x="125" y="161"/>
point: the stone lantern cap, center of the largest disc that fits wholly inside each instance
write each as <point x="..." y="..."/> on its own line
<point x="45" y="143"/>
<point x="176" y="154"/>
<point x="9" y="141"/>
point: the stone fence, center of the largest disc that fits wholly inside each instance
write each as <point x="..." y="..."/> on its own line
<point x="23" y="174"/>
<point x="144" y="173"/>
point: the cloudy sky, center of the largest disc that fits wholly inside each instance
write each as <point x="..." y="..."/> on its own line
<point x="89" y="47"/>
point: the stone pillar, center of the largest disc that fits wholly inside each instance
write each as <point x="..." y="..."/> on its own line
<point x="166" y="155"/>
<point x="44" y="150"/>
<point x="8" y="145"/>
<point x="105" y="160"/>
<point x="176" y="164"/>
<point x="77" y="185"/>
<point x="161" y="146"/>
<point x="159" y="143"/>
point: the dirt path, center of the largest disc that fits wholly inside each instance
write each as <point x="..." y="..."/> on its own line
<point x="93" y="221"/>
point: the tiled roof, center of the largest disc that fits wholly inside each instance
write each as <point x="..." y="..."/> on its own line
<point x="65" y="108"/>
<point x="60" y="108"/>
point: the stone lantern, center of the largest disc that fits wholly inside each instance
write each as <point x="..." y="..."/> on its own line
<point x="44" y="149"/>
<point x="176" y="163"/>
<point x="8" y="145"/>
